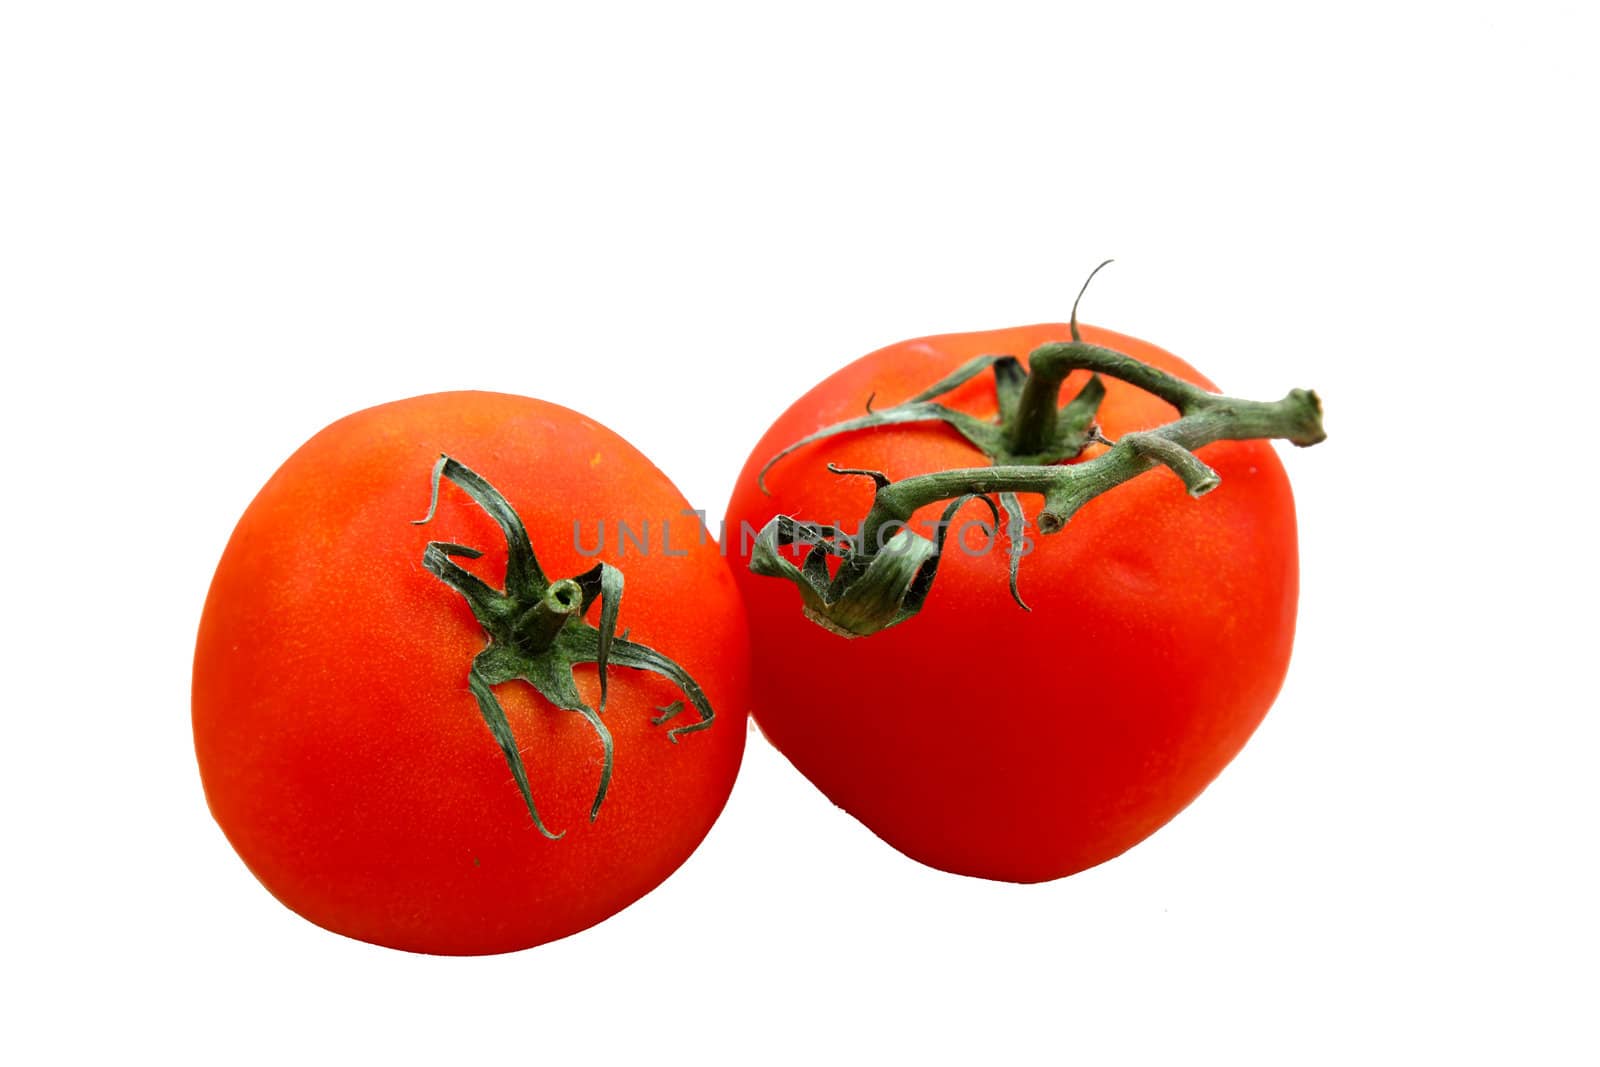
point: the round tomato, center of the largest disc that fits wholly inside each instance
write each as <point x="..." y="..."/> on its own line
<point x="346" y="681"/>
<point x="1023" y="745"/>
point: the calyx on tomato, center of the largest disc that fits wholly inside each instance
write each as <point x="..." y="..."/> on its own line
<point x="886" y="570"/>
<point x="537" y="633"/>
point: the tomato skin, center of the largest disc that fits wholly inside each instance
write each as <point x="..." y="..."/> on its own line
<point x="1024" y="746"/>
<point x="340" y="749"/>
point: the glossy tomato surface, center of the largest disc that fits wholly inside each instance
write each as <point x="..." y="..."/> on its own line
<point x="340" y="749"/>
<point x="986" y="740"/>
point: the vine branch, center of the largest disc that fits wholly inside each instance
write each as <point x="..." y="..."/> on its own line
<point x="1208" y="417"/>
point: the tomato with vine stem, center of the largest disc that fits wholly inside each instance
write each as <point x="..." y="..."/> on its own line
<point x="991" y="688"/>
<point x="430" y="713"/>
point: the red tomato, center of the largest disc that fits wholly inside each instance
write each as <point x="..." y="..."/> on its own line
<point x="986" y="740"/>
<point x="341" y="750"/>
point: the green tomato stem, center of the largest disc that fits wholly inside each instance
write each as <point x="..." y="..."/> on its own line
<point x="536" y="630"/>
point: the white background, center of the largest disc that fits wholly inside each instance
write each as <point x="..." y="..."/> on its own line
<point x="225" y="225"/>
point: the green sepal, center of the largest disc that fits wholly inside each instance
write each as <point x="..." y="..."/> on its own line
<point x="868" y="593"/>
<point x="523" y="574"/>
<point x="1009" y="378"/>
<point x="537" y="633"/>
<point x="1073" y="428"/>
<point x="495" y="716"/>
<point x="1075" y="421"/>
<point x="983" y="435"/>
<point x="1016" y="543"/>
<point x="584" y="645"/>
<point x="877" y="597"/>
